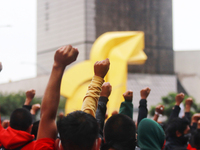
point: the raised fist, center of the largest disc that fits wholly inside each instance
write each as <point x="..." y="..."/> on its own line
<point x="145" y="92"/>
<point x="65" y="55"/>
<point x="101" y="68"/>
<point x="189" y="101"/>
<point x="106" y="89"/>
<point x="196" y="117"/>
<point x="159" y="109"/>
<point x="30" y="94"/>
<point x="179" y="98"/>
<point x="128" y="95"/>
<point x="35" y="108"/>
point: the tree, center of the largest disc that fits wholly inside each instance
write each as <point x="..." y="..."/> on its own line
<point x="9" y="102"/>
<point x="169" y="102"/>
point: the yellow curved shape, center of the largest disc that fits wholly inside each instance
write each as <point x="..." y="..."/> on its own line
<point x="121" y="48"/>
<point x="76" y="76"/>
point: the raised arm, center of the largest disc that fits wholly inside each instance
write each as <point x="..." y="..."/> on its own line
<point x="158" y="111"/>
<point x="30" y="94"/>
<point x="144" y="93"/>
<point x="175" y="111"/>
<point x="188" y="105"/>
<point x="90" y="101"/>
<point x="126" y="107"/>
<point x="63" y="57"/>
<point x="101" y="109"/>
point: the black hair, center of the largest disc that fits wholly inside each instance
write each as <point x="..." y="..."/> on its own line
<point x="177" y="124"/>
<point x="20" y="119"/>
<point x="78" y="130"/>
<point x="119" y="133"/>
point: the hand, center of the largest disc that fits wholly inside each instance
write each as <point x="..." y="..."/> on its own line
<point x="128" y="95"/>
<point x="65" y="56"/>
<point x="101" y="68"/>
<point x="189" y="101"/>
<point x="179" y="98"/>
<point x="1" y="67"/>
<point x="159" y="109"/>
<point x="35" y="108"/>
<point x="196" y="117"/>
<point x="5" y="123"/>
<point x="106" y="89"/>
<point x="145" y="92"/>
<point x="29" y="96"/>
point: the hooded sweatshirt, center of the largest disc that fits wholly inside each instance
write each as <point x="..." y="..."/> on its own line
<point x="11" y="139"/>
<point x="150" y="135"/>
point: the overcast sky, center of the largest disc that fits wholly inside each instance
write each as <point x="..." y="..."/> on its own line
<point x="18" y="42"/>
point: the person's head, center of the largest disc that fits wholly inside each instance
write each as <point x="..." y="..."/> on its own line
<point x="178" y="127"/>
<point x="119" y="133"/>
<point x="150" y="135"/>
<point x="21" y="119"/>
<point x="78" y="130"/>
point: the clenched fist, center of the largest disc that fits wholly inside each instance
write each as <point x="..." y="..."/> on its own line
<point x="145" y="92"/>
<point x="159" y="109"/>
<point x="128" y="95"/>
<point x="65" y="56"/>
<point x="106" y="89"/>
<point x="101" y="68"/>
<point x="179" y="98"/>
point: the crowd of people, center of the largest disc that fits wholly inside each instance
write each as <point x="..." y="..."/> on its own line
<point x="90" y="128"/>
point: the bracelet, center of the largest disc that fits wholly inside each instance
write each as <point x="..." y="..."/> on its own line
<point x="156" y="113"/>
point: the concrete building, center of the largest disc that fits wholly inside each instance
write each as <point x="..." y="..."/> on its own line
<point x="80" y="22"/>
<point x="186" y="65"/>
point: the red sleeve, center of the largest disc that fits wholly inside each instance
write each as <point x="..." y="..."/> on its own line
<point x="190" y="147"/>
<point x="45" y="144"/>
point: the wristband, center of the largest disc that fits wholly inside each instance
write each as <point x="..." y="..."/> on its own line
<point x="156" y="113"/>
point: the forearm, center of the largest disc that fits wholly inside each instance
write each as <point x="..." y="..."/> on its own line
<point x="155" y="117"/>
<point x="101" y="112"/>
<point x="126" y="108"/>
<point x="142" y="110"/>
<point x="175" y="112"/>
<point x="47" y="127"/>
<point x="90" y="101"/>
<point x="52" y="94"/>
<point x="27" y="101"/>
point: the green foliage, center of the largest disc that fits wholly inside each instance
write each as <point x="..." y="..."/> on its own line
<point x="62" y="102"/>
<point x="169" y="102"/>
<point x="9" y="102"/>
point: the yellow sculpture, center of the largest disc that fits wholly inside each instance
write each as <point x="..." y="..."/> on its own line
<point x="122" y="48"/>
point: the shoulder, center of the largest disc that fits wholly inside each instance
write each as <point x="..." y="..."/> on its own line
<point x="44" y="144"/>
